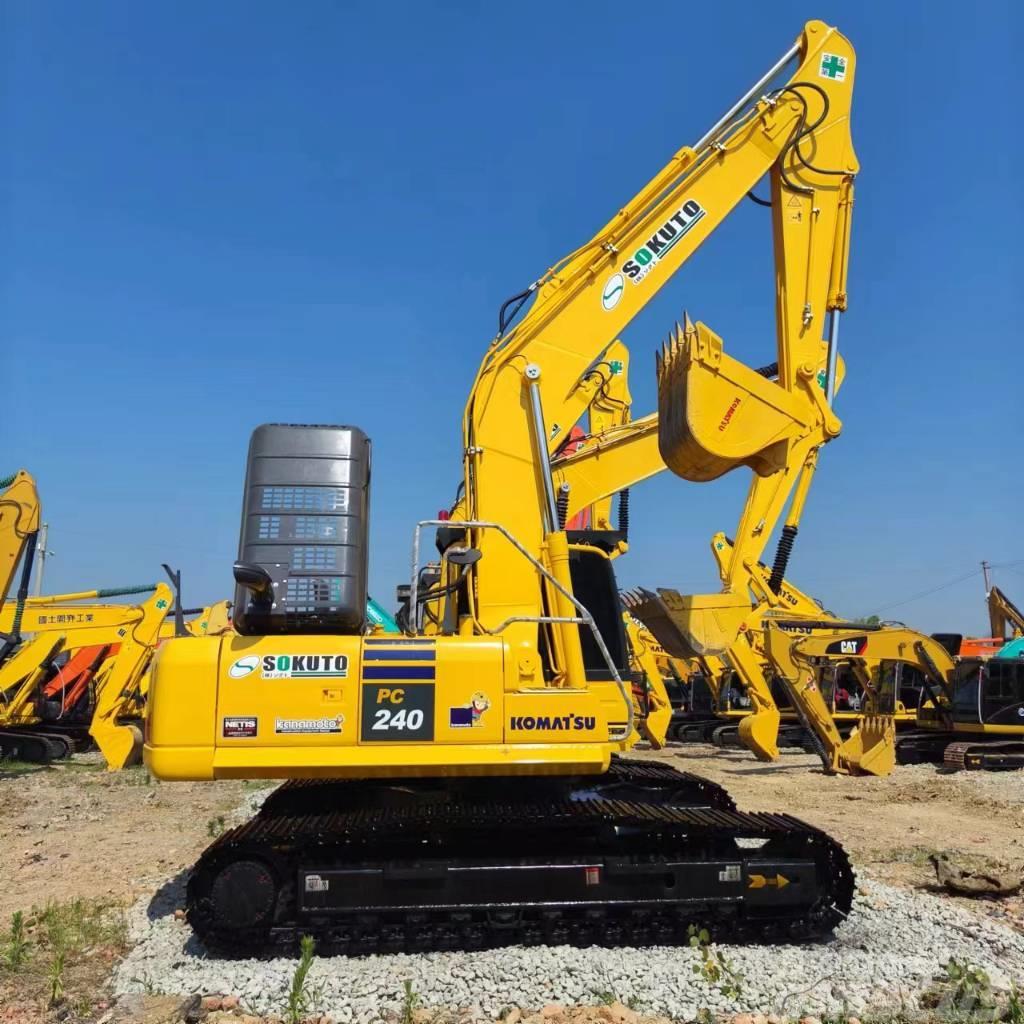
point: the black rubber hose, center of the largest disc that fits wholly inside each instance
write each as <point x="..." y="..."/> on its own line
<point x="562" y="507"/>
<point x="782" y="553"/>
<point x="503" y="320"/>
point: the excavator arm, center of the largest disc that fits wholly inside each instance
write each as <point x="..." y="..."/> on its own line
<point x="84" y="624"/>
<point x="654" y="718"/>
<point x="871" y="748"/>
<point x="589" y="297"/>
<point x="1006" y="619"/>
<point x="119" y="687"/>
<point x="19" y="530"/>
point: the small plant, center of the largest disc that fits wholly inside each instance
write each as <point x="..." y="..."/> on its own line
<point x="17" y="944"/>
<point x="608" y="997"/>
<point x="298" y="995"/>
<point x="714" y="966"/>
<point x="216" y="826"/>
<point x="80" y="924"/>
<point x="1015" y="1006"/>
<point x="56" y="977"/>
<point x="970" y="986"/>
<point x="410" y="1001"/>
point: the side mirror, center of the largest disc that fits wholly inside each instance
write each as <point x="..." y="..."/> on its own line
<point x="254" y="578"/>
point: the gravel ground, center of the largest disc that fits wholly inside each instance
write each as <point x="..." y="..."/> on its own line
<point x="884" y="957"/>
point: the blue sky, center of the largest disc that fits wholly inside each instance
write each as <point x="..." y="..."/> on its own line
<point x="222" y="214"/>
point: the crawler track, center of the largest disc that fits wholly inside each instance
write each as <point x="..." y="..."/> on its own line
<point x="414" y="867"/>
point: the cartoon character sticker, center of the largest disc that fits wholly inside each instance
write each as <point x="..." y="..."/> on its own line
<point x="468" y="715"/>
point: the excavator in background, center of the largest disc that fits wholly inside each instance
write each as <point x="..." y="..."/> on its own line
<point x="19" y="533"/>
<point x="100" y="690"/>
<point x="1006" y="638"/>
<point x="1005" y="618"/>
<point x="429" y="769"/>
<point x="972" y="711"/>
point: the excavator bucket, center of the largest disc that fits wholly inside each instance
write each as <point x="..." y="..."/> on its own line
<point x="708" y="623"/>
<point x="649" y="608"/>
<point x="871" y="748"/>
<point x="759" y="733"/>
<point x="120" y="744"/>
<point x="715" y="413"/>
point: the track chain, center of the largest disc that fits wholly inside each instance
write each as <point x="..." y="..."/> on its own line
<point x="285" y="836"/>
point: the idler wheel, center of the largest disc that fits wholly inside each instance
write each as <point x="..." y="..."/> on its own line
<point x="243" y="895"/>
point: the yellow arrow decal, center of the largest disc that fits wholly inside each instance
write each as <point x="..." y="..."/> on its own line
<point x="760" y="881"/>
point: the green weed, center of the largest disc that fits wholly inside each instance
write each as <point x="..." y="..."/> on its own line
<point x="78" y="924"/>
<point x="1015" y="1006"/>
<point x="55" y="976"/>
<point x="714" y="966"/>
<point x="298" y="1005"/>
<point x="17" y="944"/>
<point x="410" y="1001"/>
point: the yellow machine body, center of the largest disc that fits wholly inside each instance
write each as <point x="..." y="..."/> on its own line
<point x="239" y="707"/>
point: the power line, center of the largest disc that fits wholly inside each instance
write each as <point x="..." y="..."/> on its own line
<point x="932" y="590"/>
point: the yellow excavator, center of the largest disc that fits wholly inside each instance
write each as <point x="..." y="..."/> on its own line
<point x="428" y="770"/>
<point x="972" y="710"/>
<point x="19" y="533"/>
<point x="113" y="644"/>
<point x="1006" y="620"/>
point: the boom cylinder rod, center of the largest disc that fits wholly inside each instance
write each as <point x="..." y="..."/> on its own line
<point x="541" y="440"/>
<point x="833" y="357"/>
<point x="748" y="97"/>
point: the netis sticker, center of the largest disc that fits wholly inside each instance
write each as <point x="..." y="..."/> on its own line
<point x="240" y="727"/>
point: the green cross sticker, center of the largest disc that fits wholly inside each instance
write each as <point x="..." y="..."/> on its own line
<point x="161" y="603"/>
<point x="833" y="66"/>
<point x="616" y="367"/>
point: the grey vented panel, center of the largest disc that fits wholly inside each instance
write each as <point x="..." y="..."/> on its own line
<point x="305" y="519"/>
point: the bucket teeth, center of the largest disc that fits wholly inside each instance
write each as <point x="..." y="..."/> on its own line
<point x="671" y="348"/>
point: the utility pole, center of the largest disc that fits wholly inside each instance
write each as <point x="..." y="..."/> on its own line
<point x="985" y="568"/>
<point x="42" y="553"/>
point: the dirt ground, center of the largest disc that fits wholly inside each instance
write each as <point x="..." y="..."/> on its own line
<point x="74" y="830"/>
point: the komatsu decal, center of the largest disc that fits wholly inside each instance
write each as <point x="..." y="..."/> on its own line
<point x="304" y="666"/>
<point x="654" y="250"/>
<point x="553" y="723"/>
